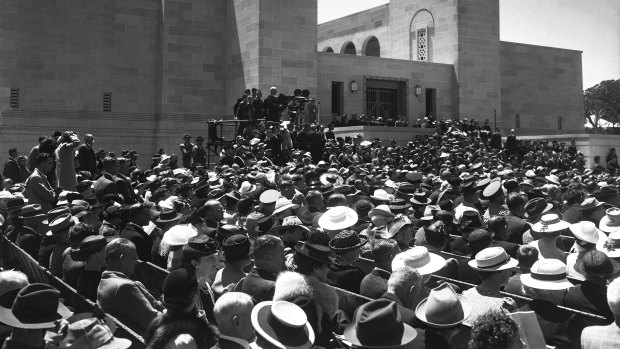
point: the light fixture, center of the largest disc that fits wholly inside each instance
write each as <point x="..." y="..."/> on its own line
<point x="353" y="86"/>
<point x="417" y="90"/>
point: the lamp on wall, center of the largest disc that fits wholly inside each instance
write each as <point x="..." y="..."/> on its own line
<point x="353" y="86"/>
<point x="417" y="90"/>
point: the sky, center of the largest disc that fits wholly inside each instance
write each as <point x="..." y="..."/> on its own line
<point x="591" y="26"/>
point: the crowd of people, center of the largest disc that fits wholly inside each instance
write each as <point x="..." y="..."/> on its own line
<point x="263" y="249"/>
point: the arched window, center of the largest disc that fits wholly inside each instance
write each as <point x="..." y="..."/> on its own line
<point x="328" y="49"/>
<point x="371" y="47"/>
<point x="420" y="30"/>
<point x="349" y="48"/>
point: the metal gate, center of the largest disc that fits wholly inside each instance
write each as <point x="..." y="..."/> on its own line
<point x="382" y="102"/>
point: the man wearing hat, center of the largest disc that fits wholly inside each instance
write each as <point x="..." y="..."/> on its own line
<point x="516" y="226"/>
<point x="346" y="246"/>
<point x="268" y="252"/>
<point x="91" y="252"/>
<point x="29" y="312"/>
<point x="59" y="231"/>
<point x="31" y="234"/>
<point x="379" y="324"/>
<point x="442" y="312"/>
<point x="236" y="251"/>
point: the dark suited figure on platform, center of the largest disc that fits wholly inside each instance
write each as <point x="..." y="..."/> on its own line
<point x="244" y="111"/>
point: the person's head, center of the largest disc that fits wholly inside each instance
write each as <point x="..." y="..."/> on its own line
<point x="516" y="203"/>
<point x="214" y="211"/>
<point x="12" y="280"/>
<point x="110" y="165"/>
<point x="89" y="139"/>
<point x="337" y="199"/>
<point x="139" y="214"/>
<point x="233" y="312"/>
<point x="44" y="162"/>
<point x="314" y="198"/>
<point x="201" y="253"/>
<point x="597" y="159"/>
<point x="13" y="152"/>
<point x="406" y="284"/>
<point x="384" y="251"/>
<point x="121" y="256"/>
<point x="495" y="330"/>
<point x="497" y="226"/>
<point x="499" y="278"/>
<point x="245" y="206"/>
<point x="79" y="232"/>
<point x="527" y="255"/>
<point x="268" y="254"/>
<point x="311" y="267"/>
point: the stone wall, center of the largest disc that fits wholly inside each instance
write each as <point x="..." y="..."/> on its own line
<point x="344" y="68"/>
<point x="193" y="57"/>
<point x="63" y="55"/>
<point x="541" y="83"/>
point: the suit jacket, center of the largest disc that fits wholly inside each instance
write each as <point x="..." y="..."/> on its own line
<point x="39" y="191"/>
<point x="590" y="297"/>
<point x="127" y="300"/>
<point x="260" y="284"/>
<point x="138" y="236"/>
<point x="374" y="284"/>
<point x="601" y="337"/>
<point x="223" y="342"/>
<point x="11" y="170"/>
<point x="346" y="277"/>
<point x="88" y="158"/>
<point x="29" y="241"/>
<point x="515" y="227"/>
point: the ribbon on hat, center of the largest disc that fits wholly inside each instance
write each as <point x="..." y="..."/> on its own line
<point x="494" y="265"/>
<point x="548" y="277"/>
<point x="546" y="224"/>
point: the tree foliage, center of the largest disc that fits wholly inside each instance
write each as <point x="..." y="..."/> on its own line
<point x="602" y="102"/>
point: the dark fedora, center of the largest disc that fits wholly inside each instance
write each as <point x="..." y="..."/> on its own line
<point x="56" y="212"/>
<point x="199" y="246"/>
<point x="90" y="245"/>
<point x="36" y="306"/>
<point x="236" y="247"/>
<point x="264" y="224"/>
<point x="168" y="215"/>
<point x="379" y="324"/>
<point x="30" y="211"/>
<point x="536" y="207"/>
<point x="347" y="240"/>
<point x="315" y="252"/>
<point x="597" y="265"/>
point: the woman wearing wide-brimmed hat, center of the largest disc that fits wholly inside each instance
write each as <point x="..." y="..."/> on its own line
<point x="346" y="247"/>
<point x="549" y="228"/>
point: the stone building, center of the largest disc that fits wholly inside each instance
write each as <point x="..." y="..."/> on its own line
<point x="143" y="72"/>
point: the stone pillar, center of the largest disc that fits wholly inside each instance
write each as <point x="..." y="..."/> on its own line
<point x="478" y="62"/>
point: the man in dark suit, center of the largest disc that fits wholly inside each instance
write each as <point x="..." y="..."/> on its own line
<point x="86" y="155"/>
<point x="11" y="167"/>
<point x="603" y="337"/>
<point x="125" y="299"/>
<point x="375" y="284"/>
<point x="406" y="288"/>
<point x="138" y="216"/>
<point x="31" y="235"/>
<point x="269" y="261"/>
<point x="515" y="224"/>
